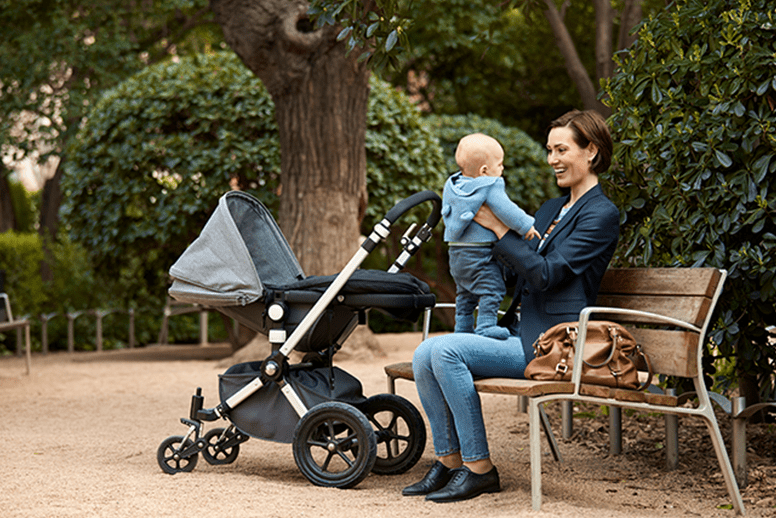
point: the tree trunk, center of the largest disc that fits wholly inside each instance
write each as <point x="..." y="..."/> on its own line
<point x="604" y="23"/>
<point x="630" y="17"/>
<point x="574" y="66"/>
<point x="7" y="215"/>
<point x="320" y="97"/>
<point x="51" y="199"/>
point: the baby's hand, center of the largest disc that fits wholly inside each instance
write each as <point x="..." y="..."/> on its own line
<point x="532" y="234"/>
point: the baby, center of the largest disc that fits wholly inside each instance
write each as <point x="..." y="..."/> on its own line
<point x="478" y="278"/>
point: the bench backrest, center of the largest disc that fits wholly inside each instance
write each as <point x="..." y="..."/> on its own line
<point x="686" y="294"/>
<point x="5" y="309"/>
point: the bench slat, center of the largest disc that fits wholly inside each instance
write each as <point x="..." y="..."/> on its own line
<point x="677" y="282"/>
<point x="673" y="353"/>
<point x="688" y="309"/>
<point x="521" y="387"/>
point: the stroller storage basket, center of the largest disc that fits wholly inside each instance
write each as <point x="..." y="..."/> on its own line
<point x="267" y="414"/>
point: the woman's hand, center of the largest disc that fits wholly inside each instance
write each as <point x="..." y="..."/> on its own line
<point x="487" y="219"/>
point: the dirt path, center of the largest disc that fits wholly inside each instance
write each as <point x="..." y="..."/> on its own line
<point x="81" y="434"/>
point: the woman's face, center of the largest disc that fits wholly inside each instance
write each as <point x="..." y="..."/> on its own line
<point x="570" y="162"/>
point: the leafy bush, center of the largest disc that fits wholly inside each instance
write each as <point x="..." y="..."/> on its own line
<point x="403" y="155"/>
<point x="20" y="258"/>
<point x="694" y="112"/>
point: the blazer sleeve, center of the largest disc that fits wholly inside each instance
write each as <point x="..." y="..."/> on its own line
<point x="589" y="237"/>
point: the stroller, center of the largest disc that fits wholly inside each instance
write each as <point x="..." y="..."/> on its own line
<point x="242" y="266"/>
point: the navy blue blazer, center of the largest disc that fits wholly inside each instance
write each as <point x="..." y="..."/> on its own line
<point x="555" y="283"/>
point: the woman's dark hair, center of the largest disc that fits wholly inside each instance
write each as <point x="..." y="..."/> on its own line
<point x="588" y="126"/>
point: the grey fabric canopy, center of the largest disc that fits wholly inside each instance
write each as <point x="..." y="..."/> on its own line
<point x="239" y="250"/>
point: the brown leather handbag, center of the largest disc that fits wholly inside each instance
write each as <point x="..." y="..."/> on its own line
<point x="611" y="356"/>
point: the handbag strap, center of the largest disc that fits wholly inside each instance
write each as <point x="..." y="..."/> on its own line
<point x="573" y="333"/>
<point x="648" y="382"/>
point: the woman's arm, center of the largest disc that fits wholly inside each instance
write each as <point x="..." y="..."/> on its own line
<point x="588" y="238"/>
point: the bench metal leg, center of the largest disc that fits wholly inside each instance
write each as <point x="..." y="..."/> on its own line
<point x="567" y="419"/>
<point x="724" y="462"/>
<point x="738" y="442"/>
<point x="548" y="433"/>
<point x="536" y="454"/>
<point x="391" y="385"/>
<point x="672" y="436"/>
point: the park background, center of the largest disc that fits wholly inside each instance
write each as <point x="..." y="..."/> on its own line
<point x="122" y="123"/>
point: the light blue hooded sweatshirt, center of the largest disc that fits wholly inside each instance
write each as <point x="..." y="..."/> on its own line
<point x="462" y="198"/>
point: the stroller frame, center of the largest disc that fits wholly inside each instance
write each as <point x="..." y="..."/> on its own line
<point x="349" y="434"/>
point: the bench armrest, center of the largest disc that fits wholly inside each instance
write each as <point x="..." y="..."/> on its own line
<point x="584" y="318"/>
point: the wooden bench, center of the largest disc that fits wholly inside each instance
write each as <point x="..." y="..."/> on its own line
<point x="8" y="322"/>
<point x="668" y="311"/>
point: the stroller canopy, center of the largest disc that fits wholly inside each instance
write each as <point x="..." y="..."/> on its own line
<point x="239" y="250"/>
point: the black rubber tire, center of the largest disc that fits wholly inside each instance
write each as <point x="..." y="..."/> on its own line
<point x="167" y="452"/>
<point x="334" y="445"/>
<point x="218" y="457"/>
<point x="400" y="433"/>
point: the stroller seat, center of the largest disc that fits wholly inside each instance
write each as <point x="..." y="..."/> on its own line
<point x="241" y="264"/>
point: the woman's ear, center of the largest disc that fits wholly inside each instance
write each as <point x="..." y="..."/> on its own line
<point x="592" y="152"/>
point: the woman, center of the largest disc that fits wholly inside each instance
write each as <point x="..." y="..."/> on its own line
<point x="557" y="277"/>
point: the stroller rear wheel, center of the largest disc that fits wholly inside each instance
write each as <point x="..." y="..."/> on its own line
<point x="169" y="457"/>
<point x="214" y="453"/>
<point x="400" y="433"/>
<point x="334" y="445"/>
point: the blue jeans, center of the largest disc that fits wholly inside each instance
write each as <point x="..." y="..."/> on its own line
<point x="478" y="280"/>
<point x="445" y="368"/>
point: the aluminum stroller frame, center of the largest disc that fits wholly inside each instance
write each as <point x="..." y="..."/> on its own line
<point x="336" y="430"/>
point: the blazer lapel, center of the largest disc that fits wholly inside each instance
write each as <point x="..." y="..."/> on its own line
<point x="573" y="211"/>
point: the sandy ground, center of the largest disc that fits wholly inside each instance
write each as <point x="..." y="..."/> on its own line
<point x="81" y="434"/>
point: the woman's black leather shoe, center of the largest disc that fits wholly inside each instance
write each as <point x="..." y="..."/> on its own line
<point x="466" y="484"/>
<point x="436" y="478"/>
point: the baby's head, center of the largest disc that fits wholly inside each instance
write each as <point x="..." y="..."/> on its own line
<point x="479" y="155"/>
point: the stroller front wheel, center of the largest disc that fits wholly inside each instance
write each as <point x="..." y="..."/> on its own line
<point x="215" y="453"/>
<point x="169" y="457"/>
<point x="334" y="445"/>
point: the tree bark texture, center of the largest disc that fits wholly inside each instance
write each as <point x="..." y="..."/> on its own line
<point x="604" y="24"/>
<point x="7" y="216"/>
<point x="574" y="66"/>
<point x="320" y="97"/>
<point x="630" y="17"/>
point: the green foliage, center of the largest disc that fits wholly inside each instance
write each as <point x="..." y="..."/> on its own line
<point x="56" y="57"/>
<point x="494" y="61"/>
<point x="23" y="206"/>
<point x="379" y="34"/>
<point x="158" y="151"/>
<point x="20" y="257"/>
<point x="76" y="287"/>
<point x="694" y="114"/>
<point x="530" y="181"/>
<point x="403" y="154"/>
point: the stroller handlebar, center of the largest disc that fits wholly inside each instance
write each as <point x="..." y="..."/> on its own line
<point x="416" y="199"/>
